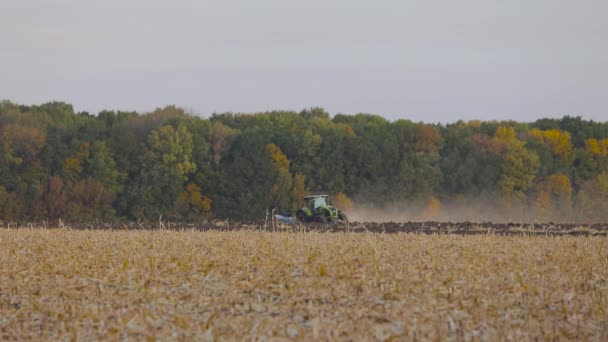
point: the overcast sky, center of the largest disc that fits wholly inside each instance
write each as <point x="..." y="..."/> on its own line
<point x="422" y="60"/>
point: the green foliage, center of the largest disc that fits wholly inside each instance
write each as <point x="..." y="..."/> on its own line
<point x="165" y="167"/>
<point x="55" y="163"/>
<point x="247" y="178"/>
<point x="518" y="172"/>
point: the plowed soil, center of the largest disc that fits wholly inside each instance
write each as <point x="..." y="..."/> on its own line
<point x="458" y="228"/>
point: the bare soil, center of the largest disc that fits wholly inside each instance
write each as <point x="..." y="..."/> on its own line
<point x="429" y="227"/>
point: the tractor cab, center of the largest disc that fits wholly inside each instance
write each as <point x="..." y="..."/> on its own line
<point x="314" y="202"/>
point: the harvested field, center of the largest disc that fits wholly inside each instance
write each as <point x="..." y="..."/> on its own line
<point x="236" y="285"/>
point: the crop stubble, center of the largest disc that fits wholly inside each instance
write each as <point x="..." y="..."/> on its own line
<point x="59" y="284"/>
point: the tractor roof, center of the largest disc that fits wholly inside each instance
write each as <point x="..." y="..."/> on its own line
<point x="314" y="196"/>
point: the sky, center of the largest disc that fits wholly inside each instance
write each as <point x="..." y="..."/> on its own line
<point x="427" y="60"/>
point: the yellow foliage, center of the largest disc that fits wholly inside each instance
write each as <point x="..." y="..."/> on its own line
<point x="560" y="185"/>
<point x="557" y="141"/>
<point x="348" y="130"/>
<point x="592" y="146"/>
<point x="597" y="147"/>
<point x="83" y="150"/>
<point x="474" y="123"/>
<point x="536" y="135"/>
<point x="504" y="139"/>
<point x="281" y="189"/>
<point x="72" y="167"/>
<point x="543" y="205"/>
<point x="505" y="133"/>
<point x="427" y="138"/>
<point x="298" y="191"/>
<point x="21" y="143"/>
<point x="602" y="182"/>
<point x="279" y="159"/>
<point x="195" y="198"/>
<point x="519" y="170"/>
<point x="343" y="202"/>
<point x="220" y="137"/>
<point x="433" y="207"/>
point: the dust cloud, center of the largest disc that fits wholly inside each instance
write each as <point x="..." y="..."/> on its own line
<point x="456" y="211"/>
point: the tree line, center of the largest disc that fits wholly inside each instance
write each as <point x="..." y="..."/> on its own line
<point x="56" y="163"/>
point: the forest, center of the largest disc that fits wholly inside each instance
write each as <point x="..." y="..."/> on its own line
<point x="56" y="163"/>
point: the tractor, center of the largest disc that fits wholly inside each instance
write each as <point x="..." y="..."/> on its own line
<point x="318" y="209"/>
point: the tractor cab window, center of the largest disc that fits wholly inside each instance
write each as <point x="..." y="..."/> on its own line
<point x="310" y="203"/>
<point x="320" y="201"/>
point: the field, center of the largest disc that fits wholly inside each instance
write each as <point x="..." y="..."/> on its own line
<point x="246" y="284"/>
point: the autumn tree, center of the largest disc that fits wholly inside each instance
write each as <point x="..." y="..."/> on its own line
<point x="519" y="167"/>
<point x="165" y="167"/>
<point x="298" y="191"/>
<point x="598" y="149"/>
<point x="247" y="178"/>
<point x="279" y="192"/>
<point x="56" y="198"/>
<point x="419" y="170"/>
<point x="558" y="142"/>
<point x="470" y="162"/>
<point x="220" y="138"/>
<point x="120" y="165"/>
<point x="73" y="165"/>
<point x="343" y="202"/>
<point x="193" y="203"/>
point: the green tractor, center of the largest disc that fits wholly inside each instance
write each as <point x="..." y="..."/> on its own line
<point x="318" y="209"/>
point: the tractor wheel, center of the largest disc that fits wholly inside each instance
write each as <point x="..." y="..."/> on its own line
<point x="321" y="218"/>
<point x="342" y="217"/>
<point x="301" y="216"/>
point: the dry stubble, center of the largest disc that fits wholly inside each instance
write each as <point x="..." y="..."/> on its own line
<point x="236" y="285"/>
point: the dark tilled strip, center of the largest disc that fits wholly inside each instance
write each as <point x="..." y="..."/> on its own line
<point x="460" y="228"/>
